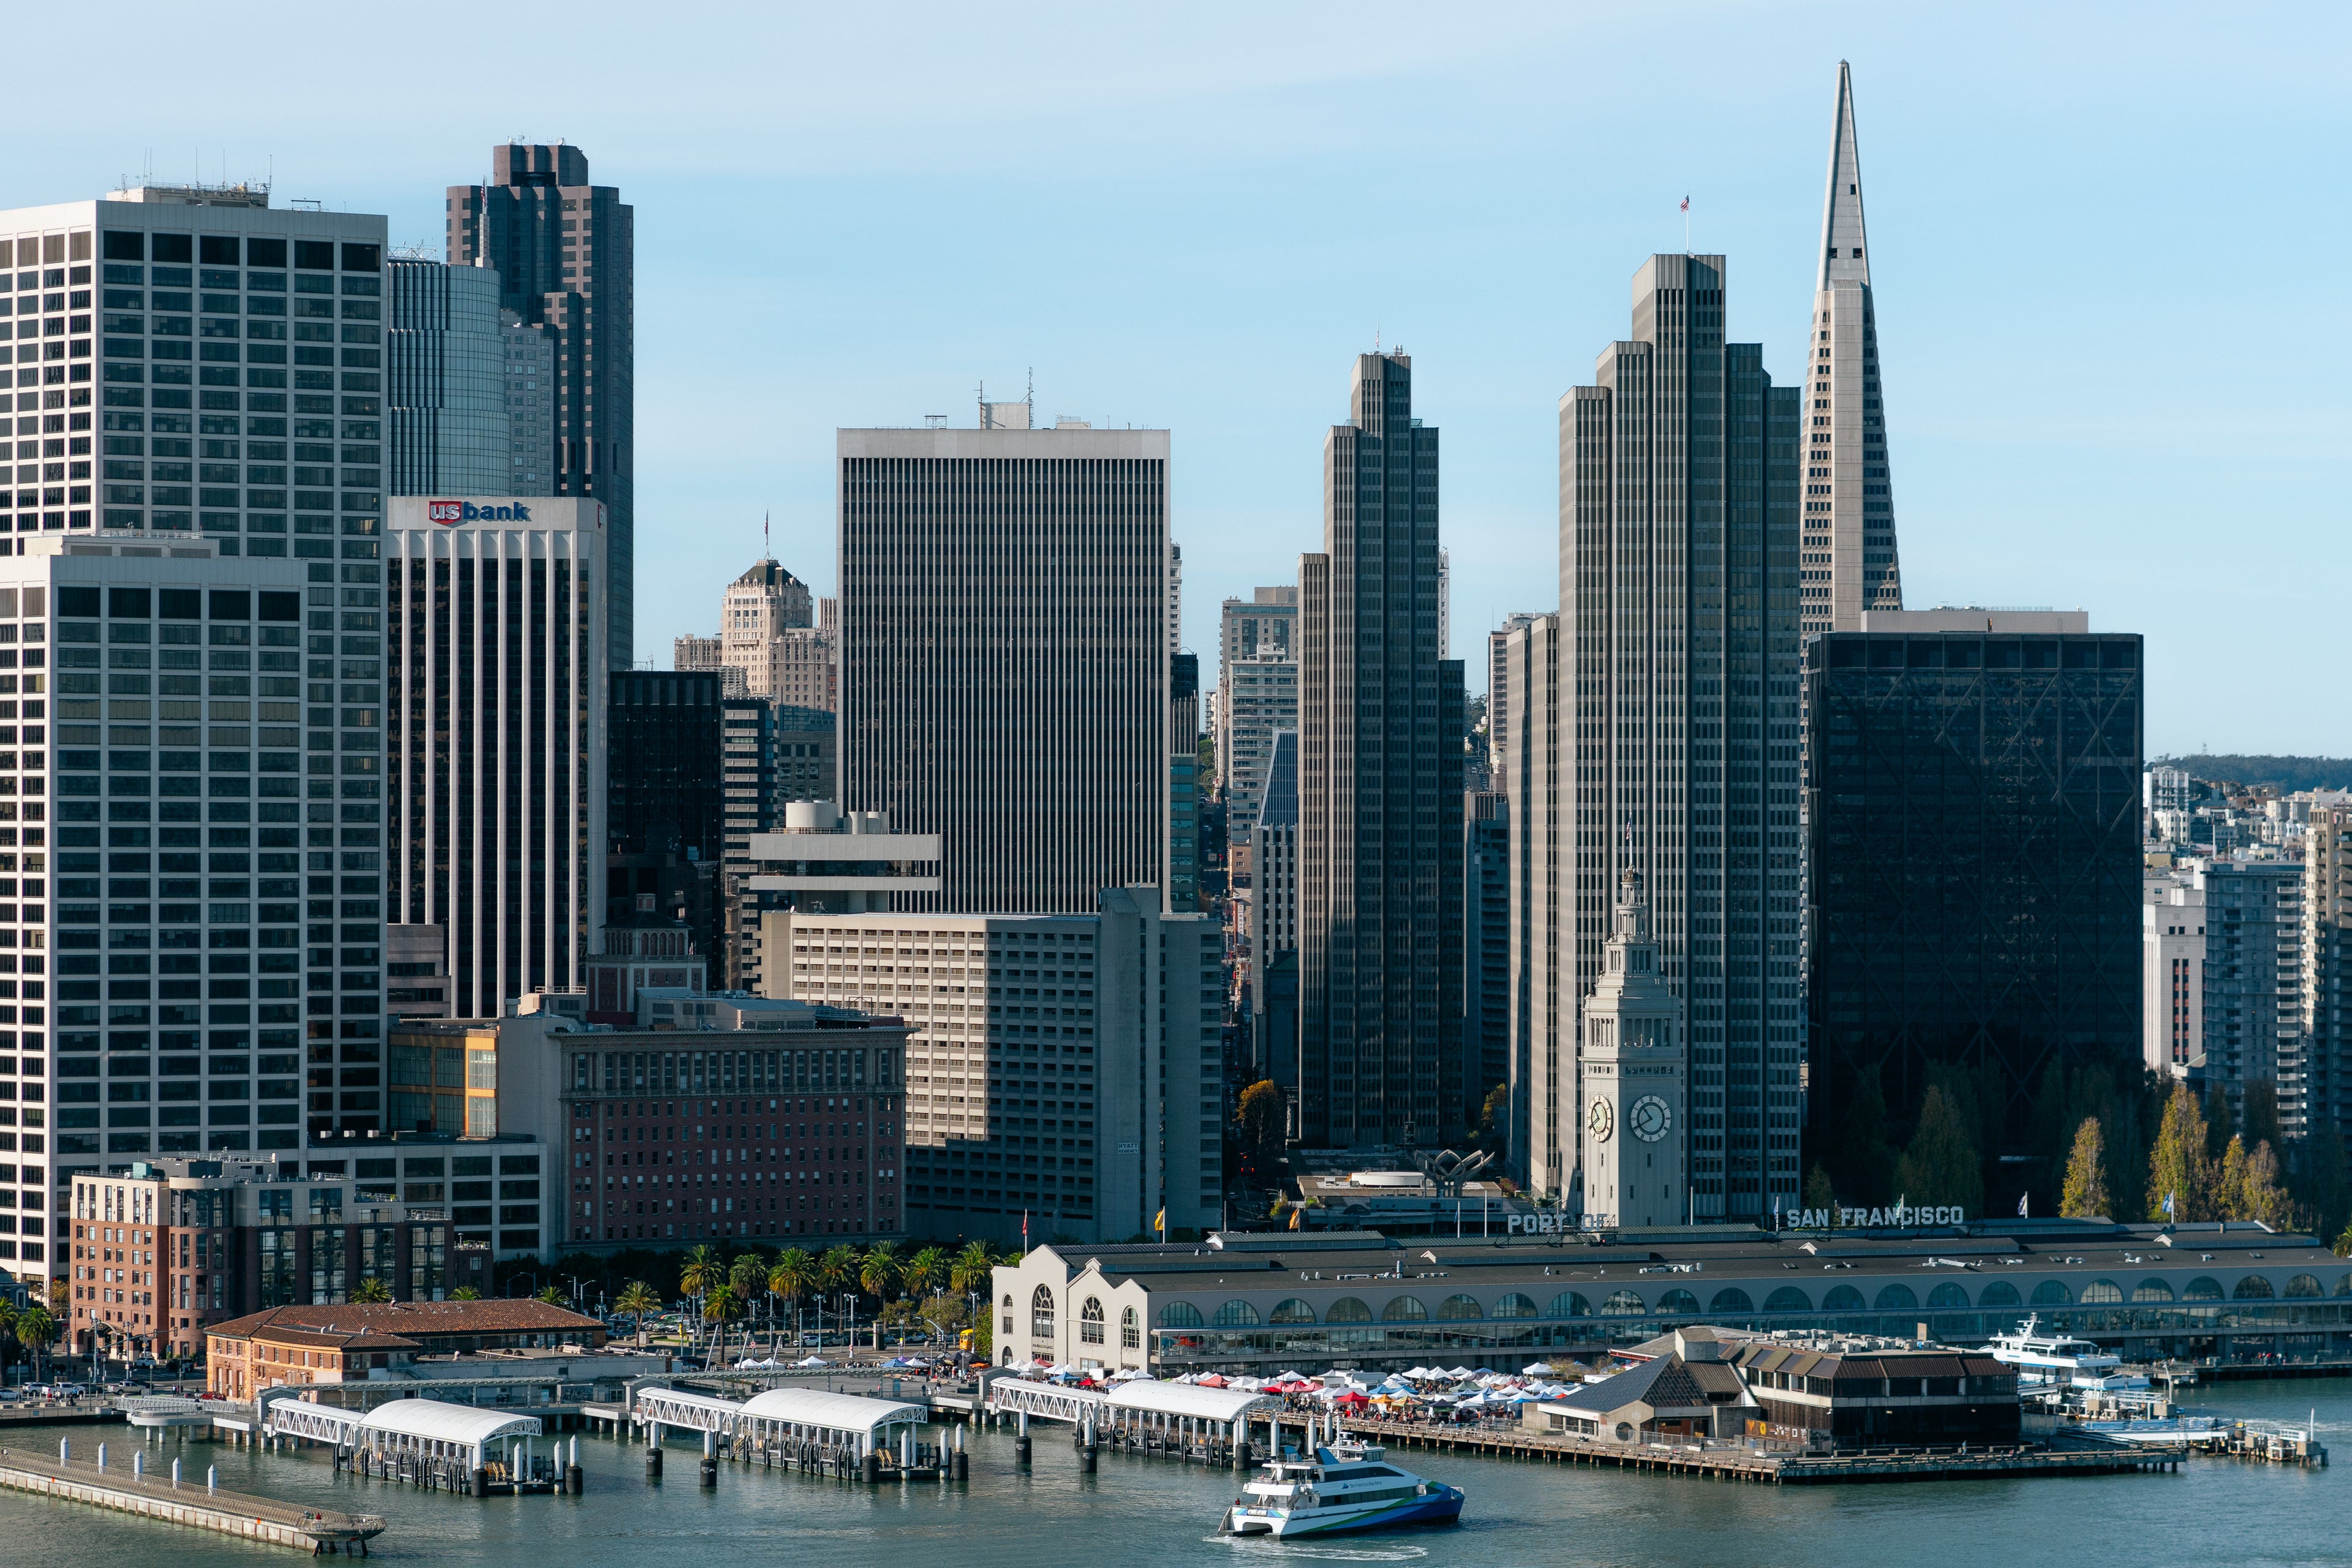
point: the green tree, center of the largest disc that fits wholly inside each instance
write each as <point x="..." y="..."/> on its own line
<point x="877" y="1275"/>
<point x="36" y="1331"/>
<point x="721" y="1305"/>
<point x="749" y="1274"/>
<point x="1819" y="1192"/>
<point x="1258" y="1121"/>
<point x="2178" y="1166"/>
<point x="552" y="1295"/>
<point x="637" y="1300"/>
<point x="792" y="1276"/>
<point x="702" y="1271"/>
<point x="1494" y="1118"/>
<point x="970" y="1273"/>
<point x="465" y="1293"/>
<point x="1941" y="1164"/>
<point x="2261" y="1195"/>
<point x="2230" y="1186"/>
<point x="2084" y="1195"/>
<point x="371" y="1291"/>
<point x="925" y="1272"/>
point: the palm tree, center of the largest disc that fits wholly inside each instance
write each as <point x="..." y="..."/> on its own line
<point x="636" y="1300"/>
<point x="372" y="1292"/>
<point x="36" y="1331"/>
<point x="878" y="1272"/>
<point x="968" y="1273"/>
<point x="702" y="1271"/>
<point x="719" y="1306"/>
<point x="791" y="1276"/>
<point x="925" y="1272"/>
<point x="552" y="1296"/>
<point x="748" y="1280"/>
<point x="465" y="1293"/>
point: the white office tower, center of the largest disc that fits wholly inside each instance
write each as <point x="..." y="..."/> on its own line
<point x="1004" y="665"/>
<point x="1850" y="562"/>
<point x="1064" y="1073"/>
<point x="233" y="387"/>
<point x="1633" y="1071"/>
<point x="495" y="703"/>
<point x="155" y="823"/>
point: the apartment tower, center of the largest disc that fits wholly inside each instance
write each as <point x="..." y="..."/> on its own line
<point x="1379" y="790"/>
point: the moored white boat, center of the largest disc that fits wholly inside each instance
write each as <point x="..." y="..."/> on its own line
<point x="2060" y="1360"/>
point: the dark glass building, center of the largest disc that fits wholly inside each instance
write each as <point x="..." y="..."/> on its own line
<point x="1973" y="795"/>
<point x="664" y="810"/>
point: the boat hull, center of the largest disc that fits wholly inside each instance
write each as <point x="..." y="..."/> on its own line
<point x="1438" y="1508"/>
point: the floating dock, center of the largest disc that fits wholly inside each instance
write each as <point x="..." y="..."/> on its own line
<point x="196" y="1506"/>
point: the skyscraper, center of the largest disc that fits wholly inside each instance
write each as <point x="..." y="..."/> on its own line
<point x="987" y="698"/>
<point x="1975" y="868"/>
<point x="1849" y="539"/>
<point x="1499" y="698"/>
<point x="495" y="728"/>
<point x="445" y="381"/>
<point x="199" y="288"/>
<point x="1257" y="695"/>
<point x="565" y="252"/>
<point x="2325" y="1101"/>
<point x="1678" y="651"/>
<point x="1380" y="787"/>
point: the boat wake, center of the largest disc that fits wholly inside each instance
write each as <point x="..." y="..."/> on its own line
<point x="1325" y="1552"/>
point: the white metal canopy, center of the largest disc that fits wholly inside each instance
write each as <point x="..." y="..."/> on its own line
<point x="1188" y="1400"/>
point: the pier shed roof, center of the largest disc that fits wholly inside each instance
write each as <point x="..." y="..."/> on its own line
<point x="838" y="1412"/>
<point x="438" y="1421"/>
<point x="1189" y="1400"/>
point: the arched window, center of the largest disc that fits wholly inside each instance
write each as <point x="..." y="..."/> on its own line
<point x="1787" y="1299"/>
<point x="2102" y="1293"/>
<point x="1404" y="1309"/>
<point x="2204" y="1288"/>
<point x="2253" y="1287"/>
<point x="1234" y="1314"/>
<point x="1999" y="1293"/>
<point x="1130" y="1332"/>
<point x="1678" y="1302"/>
<point x="1569" y="1304"/>
<point x="2052" y="1293"/>
<point x="1179" y="1315"/>
<point x="1513" y="1306"/>
<point x="1842" y="1299"/>
<point x="1041" y="1314"/>
<point x="1090" y="1322"/>
<point x="2302" y="1285"/>
<point x="1294" y="1311"/>
<point x="1731" y="1301"/>
<point x="2152" y="1291"/>
<point x="1348" y="1309"/>
<point x="1623" y="1304"/>
<point x="1947" y="1298"/>
<point x="1459" y="1310"/>
<point x="1897" y="1298"/>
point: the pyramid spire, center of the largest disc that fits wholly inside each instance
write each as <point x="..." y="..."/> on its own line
<point x="1845" y="251"/>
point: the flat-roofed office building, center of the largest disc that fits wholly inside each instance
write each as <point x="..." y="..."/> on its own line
<point x="496" y="724"/>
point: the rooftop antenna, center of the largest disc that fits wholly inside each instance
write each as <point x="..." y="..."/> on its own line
<point x="766" y="549"/>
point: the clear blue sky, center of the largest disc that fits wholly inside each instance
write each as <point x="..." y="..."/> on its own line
<point x="2109" y="243"/>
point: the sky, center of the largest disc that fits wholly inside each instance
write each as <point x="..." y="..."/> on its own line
<point x="2113" y="367"/>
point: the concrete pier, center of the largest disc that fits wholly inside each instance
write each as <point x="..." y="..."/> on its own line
<point x="225" y="1513"/>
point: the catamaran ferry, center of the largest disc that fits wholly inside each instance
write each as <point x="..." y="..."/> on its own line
<point x="1346" y="1486"/>
<point x="2060" y="1361"/>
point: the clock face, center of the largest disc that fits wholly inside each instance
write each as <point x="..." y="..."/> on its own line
<point x="1600" y="1119"/>
<point x="1650" y="1117"/>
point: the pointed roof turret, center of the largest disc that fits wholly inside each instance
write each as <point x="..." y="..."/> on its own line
<point x="1845" y="251"/>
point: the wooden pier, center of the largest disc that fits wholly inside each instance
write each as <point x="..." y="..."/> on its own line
<point x="2071" y="1456"/>
<point x="197" y="1507"/>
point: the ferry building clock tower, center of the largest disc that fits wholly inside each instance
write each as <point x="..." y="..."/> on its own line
<point x="1633" y="1070"/>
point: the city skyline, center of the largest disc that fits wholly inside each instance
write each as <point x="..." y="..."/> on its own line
<point x="2095" y="495"/>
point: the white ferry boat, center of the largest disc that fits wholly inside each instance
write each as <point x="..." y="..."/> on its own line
<point x="2057" y="1360"/>
<point x="1346" y="1486"/>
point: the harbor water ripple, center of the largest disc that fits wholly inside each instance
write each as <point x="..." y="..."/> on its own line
<point x="1155" y="1514"/>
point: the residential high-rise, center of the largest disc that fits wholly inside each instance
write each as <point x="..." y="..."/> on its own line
<point x="1632" y="1067"/>
<point x="2252" y="1002"/>
<point x="983" y="699"/>
<point x="496" y="734"/>
<point x="1677" y="756"/>
<point x="446" y="381"/>
<point x="2324" y="1103"/>
<point x="190" y="973"/>
<point x="2172" y="976"/>
<point x="1499" y="698"/>
<point x="1379" y="790"/>
<point x="1850" y="564"/>
<point x="1257" y="695"/>
<point x="1094" y="1114"/>
<point x="1973" y="790"/>
<point x="259" y="332"/>
<point x="565" y="253"/>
